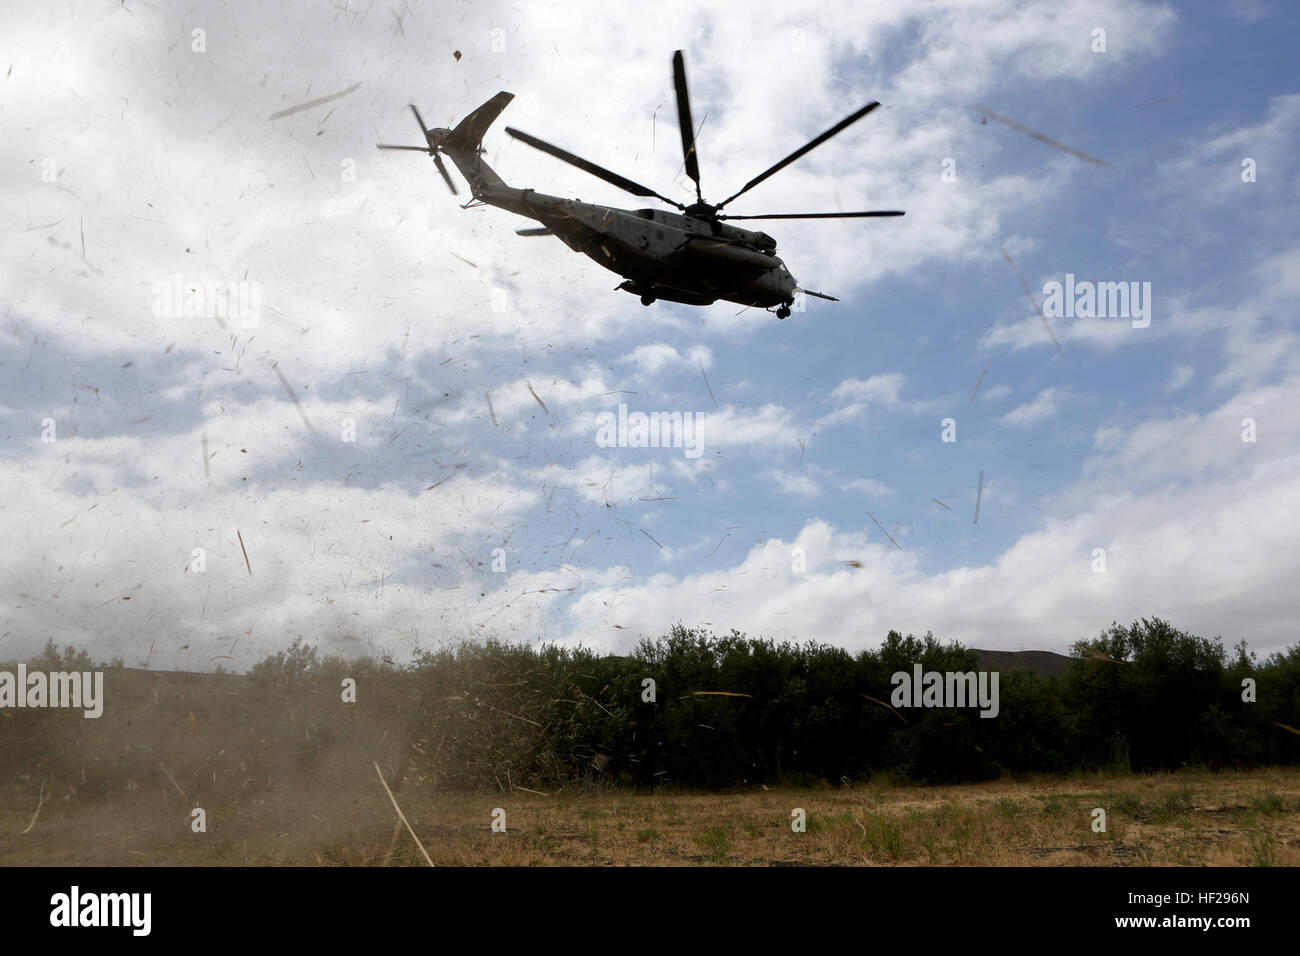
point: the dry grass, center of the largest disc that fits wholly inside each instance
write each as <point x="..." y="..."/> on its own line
<point x="1184" y="819"/>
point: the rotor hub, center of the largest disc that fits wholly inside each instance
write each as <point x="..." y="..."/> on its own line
<point x="702" y="210"/>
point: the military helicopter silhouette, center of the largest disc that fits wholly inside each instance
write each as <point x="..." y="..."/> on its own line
<point x="693" y="257"/>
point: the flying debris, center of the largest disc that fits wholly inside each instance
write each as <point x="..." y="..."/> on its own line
<point x="692" y="256"/>
<point x="1034" y="134"/>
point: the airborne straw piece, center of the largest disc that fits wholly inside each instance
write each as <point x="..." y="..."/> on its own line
<point x="320" y="101"/>
<point x="1032" y="301"/>
<point x="275" y="367"/>
<point x="401" y="815"/>
<point x="889" y="707"/>
<point x="535" y="396"/>
<point x="1039" y="136"/>
<point x="245" y="550"/>
<point x="884" y="532"/>
<point x="707" y="385"/>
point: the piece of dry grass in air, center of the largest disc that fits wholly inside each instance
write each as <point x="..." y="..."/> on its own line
<point x="890" y="707"/>
<point x="884" y="532"/>
<point x="401" y="816"/>
<point x="1034" y="134"/>
<point x="537" y="397"/>
<point x="1034" y="302"/>
<point x="40" y="803"/>
<point x="245" y="550"/>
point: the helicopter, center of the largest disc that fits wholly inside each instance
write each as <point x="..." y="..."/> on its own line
<point x="692" y="256"/>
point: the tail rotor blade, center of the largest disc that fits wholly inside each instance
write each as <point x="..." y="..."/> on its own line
<point x="437" y="161"/>
<point x="420" y="119"/>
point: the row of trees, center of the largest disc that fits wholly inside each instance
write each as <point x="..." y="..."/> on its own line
<point x="732" y="710"/>
<point x="720" y="711"/>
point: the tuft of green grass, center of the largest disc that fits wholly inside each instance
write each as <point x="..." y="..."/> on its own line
<point x="1263" y="848"/>
<point x="1007" y="808"/>
<point x="883" y="838"/>
<point x="648" y="835"/>
<point x="1129" y="804"/>
<point x="1053" y="804"/>
<point x="1176" y="804"/>
<point x="1267" y="803"/>
<point x="816" y="824"/>
<point x="717" y="842"/>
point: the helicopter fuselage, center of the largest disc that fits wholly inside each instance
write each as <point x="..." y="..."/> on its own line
<point x="661" y="254"/>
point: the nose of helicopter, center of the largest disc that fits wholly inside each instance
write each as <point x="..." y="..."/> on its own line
<point x="788" y="284"/>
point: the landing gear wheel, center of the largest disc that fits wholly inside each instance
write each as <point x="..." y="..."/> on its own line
<point x="647" y="300"/>
<point x="783" y="312"/>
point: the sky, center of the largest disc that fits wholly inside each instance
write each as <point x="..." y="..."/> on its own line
<point x="395" y="445"/>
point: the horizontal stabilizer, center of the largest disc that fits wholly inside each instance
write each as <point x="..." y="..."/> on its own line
<point x="542" y="231"/>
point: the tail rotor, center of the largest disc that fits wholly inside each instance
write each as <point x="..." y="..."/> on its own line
<point x="432" y="147"/>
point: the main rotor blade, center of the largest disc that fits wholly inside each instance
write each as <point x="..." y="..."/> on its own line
<point x="418" y="149"/>
<point x="820" y="215"/>
<point x="437" y="161"/>
<point x="684" y="121"/>
<point x="838" y="127"/>
<point x="600" y="172"/>
<point x="420" y="119"/>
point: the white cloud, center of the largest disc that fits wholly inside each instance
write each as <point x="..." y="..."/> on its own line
<point x="1182" y="374"/>
<point x="796" y="483"/>
<point x="994" y="393"/>
<point x="655" y="357"/>
<point x="855" y="397"/>
<point x="1044" y="405"/>
<point x="867" y="486"/>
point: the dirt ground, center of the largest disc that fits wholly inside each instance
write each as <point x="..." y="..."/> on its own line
<point x="1189" y="818"/>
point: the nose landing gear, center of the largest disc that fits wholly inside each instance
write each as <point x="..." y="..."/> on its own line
<point x="783" y="312"/>
<point x="647" y="300"/>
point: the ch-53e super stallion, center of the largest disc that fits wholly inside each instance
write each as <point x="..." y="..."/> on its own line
<point x="691" y="256"/>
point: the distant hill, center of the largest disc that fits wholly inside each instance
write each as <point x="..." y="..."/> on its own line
<point x="1041" y="662"/>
